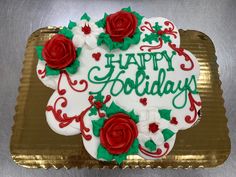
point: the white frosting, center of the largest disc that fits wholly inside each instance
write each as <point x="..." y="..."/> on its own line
<point x="78" y="101"/>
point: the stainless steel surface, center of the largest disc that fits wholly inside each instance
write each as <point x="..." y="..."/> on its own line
<point x="18" y="19"/>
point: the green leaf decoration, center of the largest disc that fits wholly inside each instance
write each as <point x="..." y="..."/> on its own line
<point x="93" y="111"/>
<point x="167" y="133"/>
<point x="39" y="50"/>
<point x="165" y="113"/>
<point x="134" y="148"/>
<point x="150" y="145"/>
<point x="51" y="71"/>
<point x="105" y="38"/>
<point x="97" y="125"/>
<point x="151" y="37"/>
<point x="157" y="27"/>
<point x="85" y="17"/>
<point x="120" y="158"/>
<point x="73" y="67"/>
<point x="104" y="107"/>
<point x="127" y="9"/>
<point x="102" y="22"/>
<point x="78" y="51"/>
<point x="99" y="97"/>
<point x="134" y="116"/>
<point x="138" y="16"/>
<point x="71" y="24"/>
<point x="66" y="32"/>
<point x="113" y="109"/>
<point x="165" y="38"/>
<point x="102" y="153"/>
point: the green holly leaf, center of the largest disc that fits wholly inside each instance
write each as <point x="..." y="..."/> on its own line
<point x="126" y="43"/>
<point x="99" y="97"/>
<point x="120" y="158"/>
<point x="113" y="109"/>
<point x="138" y="16"/>
<point x="165" y="113"/>
<point x="134" y="116"/>
<point x="151" y="37"/>
<point x="102" y="153"/>
<point x="127" y="9"/>
<point x="150" y="145"/>
<point x="132" y="150"/>
<point x="78" y="51"/>
<point x="134" y="147"/>
<point x="104" y="107"/>
<point x="165" y="38"/>
<point x="73" y="67"/>
<point x="157" y="27"/>
<point x="85" y="17"/>
<point x="51" y="71"/>
<point x="93" y="111"/>
<point x="66" y="32"/>
<point x="39" y="50"/>
<point x="71" y="24"/>
<point x="97" y="125"/>
<point x="167" y="133"/>
<point x="101" y="23"/>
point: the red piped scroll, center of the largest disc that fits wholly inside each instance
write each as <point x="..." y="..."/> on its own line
<point x="158" y="153"/>
<point x="64" y="120"/>
<point x="192" y="108"/>
<point x="169" y="30"/>
<point x="42" y="73"/>
<point x="147" y="26"/>
<point x="71" y="83"/>
<point x="80" y="119"/>
<point x="181" y="52"/>
<point x="98" y="104"/>
<point x="150" y="48"/>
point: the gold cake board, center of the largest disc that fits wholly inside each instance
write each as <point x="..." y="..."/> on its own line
<point x="35" y="145"/>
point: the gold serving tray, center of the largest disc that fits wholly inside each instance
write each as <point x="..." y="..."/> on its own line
<point x="35" y="145"/>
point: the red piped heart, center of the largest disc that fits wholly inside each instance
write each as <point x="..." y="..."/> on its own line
<point x="174" y="121"/>
<point x="143" y="101"/>
<point x="96" y="56"/>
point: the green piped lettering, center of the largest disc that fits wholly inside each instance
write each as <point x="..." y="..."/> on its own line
<point x="141" y="84"/>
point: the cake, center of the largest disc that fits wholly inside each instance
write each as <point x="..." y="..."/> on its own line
<point x="123" y="82"/>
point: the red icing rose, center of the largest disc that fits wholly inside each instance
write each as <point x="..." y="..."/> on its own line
<point x="120" y="25"/>
<point x="59" y="52"/>
<point x="118" y="133"/>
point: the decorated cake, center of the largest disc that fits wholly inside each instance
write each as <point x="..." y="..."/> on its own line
<point x="122" y="82"/>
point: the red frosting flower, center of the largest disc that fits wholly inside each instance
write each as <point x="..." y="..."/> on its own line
<point x="118" y="133"/>
<point x="120" y="25"/>
<point x="59" y="52"/>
